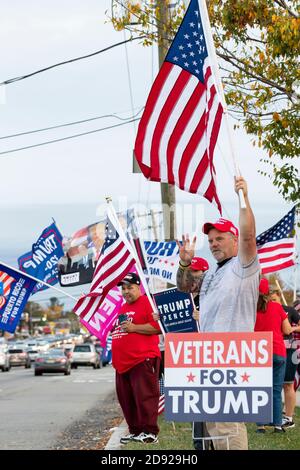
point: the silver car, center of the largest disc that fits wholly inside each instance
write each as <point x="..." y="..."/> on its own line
<point x="85" y="355"/>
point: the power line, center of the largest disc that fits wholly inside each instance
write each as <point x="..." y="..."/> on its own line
<point x="71" y="124"/>
<point x="69" y="137"/>
<point x="16" y="79"/>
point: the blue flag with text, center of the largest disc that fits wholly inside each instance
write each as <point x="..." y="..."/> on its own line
<point x="42" y="261"/>
<point x="15" y="288"/>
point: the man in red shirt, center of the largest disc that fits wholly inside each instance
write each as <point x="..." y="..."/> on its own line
<point x="136" y="358"/>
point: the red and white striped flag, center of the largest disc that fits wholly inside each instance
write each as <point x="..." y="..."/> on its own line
<point x="161" y="401"/>
<point x="114" y="263"/>
<point x="276" y="247"/>
<point x="180" y="125"/>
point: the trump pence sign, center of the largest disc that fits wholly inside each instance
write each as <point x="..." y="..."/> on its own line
<point x="218" y="377"/>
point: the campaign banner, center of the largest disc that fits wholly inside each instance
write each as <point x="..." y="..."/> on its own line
<point x="175" y="310"/>
<point x="15" y="288"/>
<point x="218" y="377"/>
<point x="162" y="260"/>
<point x="81" y="252"/>
<point x="101" y="322"/>
<point x="42" y="261"/>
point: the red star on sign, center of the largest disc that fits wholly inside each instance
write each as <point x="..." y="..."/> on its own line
<point x="190" y="377"/>
<point x="245" y="377"/>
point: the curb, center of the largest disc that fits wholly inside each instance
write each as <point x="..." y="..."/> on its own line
<point x="114" y="441"/>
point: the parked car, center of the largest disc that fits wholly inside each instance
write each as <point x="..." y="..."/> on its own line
<point x="85" y="355"/>
<point x="19" y="357"/>
<point x="4" y="359"/>
<point x="53" y="360"/>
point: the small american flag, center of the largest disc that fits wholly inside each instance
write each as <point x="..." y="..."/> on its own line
<point x="276" y="247"/>
<point x="114" y="263"/>
<point x="180" y="125"/>
<point x="161" y="401"/>
<point x="297" y="378"/>
<point x="5" y="281"/>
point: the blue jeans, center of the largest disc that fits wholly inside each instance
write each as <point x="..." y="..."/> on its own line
<point x="278" y="378"/>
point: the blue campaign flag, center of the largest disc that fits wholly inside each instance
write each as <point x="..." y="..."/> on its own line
<point x="42" y="261"/>
<point x="175" y="310"/>
<point x="15" y="289"/>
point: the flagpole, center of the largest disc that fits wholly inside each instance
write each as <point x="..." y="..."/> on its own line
<point x="143" y="251"/>
<point x="38" y="280"/>
<point x="297" y="257"/>
<point x="219" y="88"/>
<point x="141" y="274"/>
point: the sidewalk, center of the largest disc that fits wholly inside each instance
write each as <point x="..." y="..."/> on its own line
<point x="114" y="441"/>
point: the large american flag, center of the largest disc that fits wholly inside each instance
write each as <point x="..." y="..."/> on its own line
<point x="114" y="263"/>
<point x="180" y="124"/>
<point x="276" y="247"/>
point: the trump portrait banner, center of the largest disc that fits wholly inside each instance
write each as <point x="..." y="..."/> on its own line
<point x="218" y="377"/>
<point x="175" y="310"/>
<point x="15" y="288"/>
<point x="42" y="261"/>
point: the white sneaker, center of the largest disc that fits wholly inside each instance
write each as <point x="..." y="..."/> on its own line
<point x="146" y="438"/>
<point x="127" y="438"/>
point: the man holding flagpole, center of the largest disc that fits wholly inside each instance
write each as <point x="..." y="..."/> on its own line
<point x="228" y="292"/>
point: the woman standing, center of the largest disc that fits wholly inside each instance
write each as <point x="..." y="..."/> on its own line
<point x="272" y="317"/>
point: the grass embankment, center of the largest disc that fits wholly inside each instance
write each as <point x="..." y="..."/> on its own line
<point x="178" y="436"/>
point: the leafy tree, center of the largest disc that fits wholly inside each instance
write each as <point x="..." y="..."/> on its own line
<point x="257" y="42"/>
<point x="54" y="309"/>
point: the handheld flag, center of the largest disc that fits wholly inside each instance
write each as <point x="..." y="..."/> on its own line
<point x="42" y="261"/>
<point x="15" y="288"/>
<point x="180" y="125"/>
<point x="276" y="246"/>
<point x="114" y="263"/>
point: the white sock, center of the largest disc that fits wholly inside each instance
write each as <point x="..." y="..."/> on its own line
<point x="290" y="418"/>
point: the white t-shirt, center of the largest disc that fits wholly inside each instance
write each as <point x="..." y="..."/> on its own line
<point x="228" y="297"/>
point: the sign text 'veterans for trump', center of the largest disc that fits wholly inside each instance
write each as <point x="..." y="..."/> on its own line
<point x="218" y="377"/>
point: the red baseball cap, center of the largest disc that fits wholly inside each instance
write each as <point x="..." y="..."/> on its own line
<point x="222" y="225"/>
<point x="264" y="288"/>
<point x="199" y="264"/>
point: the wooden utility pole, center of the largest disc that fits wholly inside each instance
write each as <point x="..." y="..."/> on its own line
<point x="167" y="191"/>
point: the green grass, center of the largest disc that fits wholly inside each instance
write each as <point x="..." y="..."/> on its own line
<point x="270" y="441"/>
<point x="178" y="436"/>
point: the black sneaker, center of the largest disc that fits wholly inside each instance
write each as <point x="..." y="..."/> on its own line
<point x="146" y="438"/>
<point x="287" y="424"/>
<point x="127" y="438"/>
<point x="278" y="430"/>
<point x="261" y="430"/>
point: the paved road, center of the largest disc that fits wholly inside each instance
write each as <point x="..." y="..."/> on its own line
<point x="35" y="410"/>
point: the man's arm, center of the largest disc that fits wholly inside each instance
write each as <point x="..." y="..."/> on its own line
<point x="186" y="281"/>
<point x="144" y="329"/>
<point x="247" y="237"/>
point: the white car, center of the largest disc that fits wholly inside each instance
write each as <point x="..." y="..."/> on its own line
<point x="4" y="358"/>
<point x="85" y="355"/>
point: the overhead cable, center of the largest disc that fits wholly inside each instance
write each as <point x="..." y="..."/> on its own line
<point x="71" y="124"/>
<point x="16" y="79"/>
<point x="69" y="137"/>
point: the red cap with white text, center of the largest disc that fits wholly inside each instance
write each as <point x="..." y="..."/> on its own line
<point x="223" y="225"/>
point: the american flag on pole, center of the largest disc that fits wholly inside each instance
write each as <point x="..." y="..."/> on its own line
<point x="114" y="263"/>
<point x="161" y="401"/>
<point x="180" y="125"/>
<point x="276" y="247"/>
